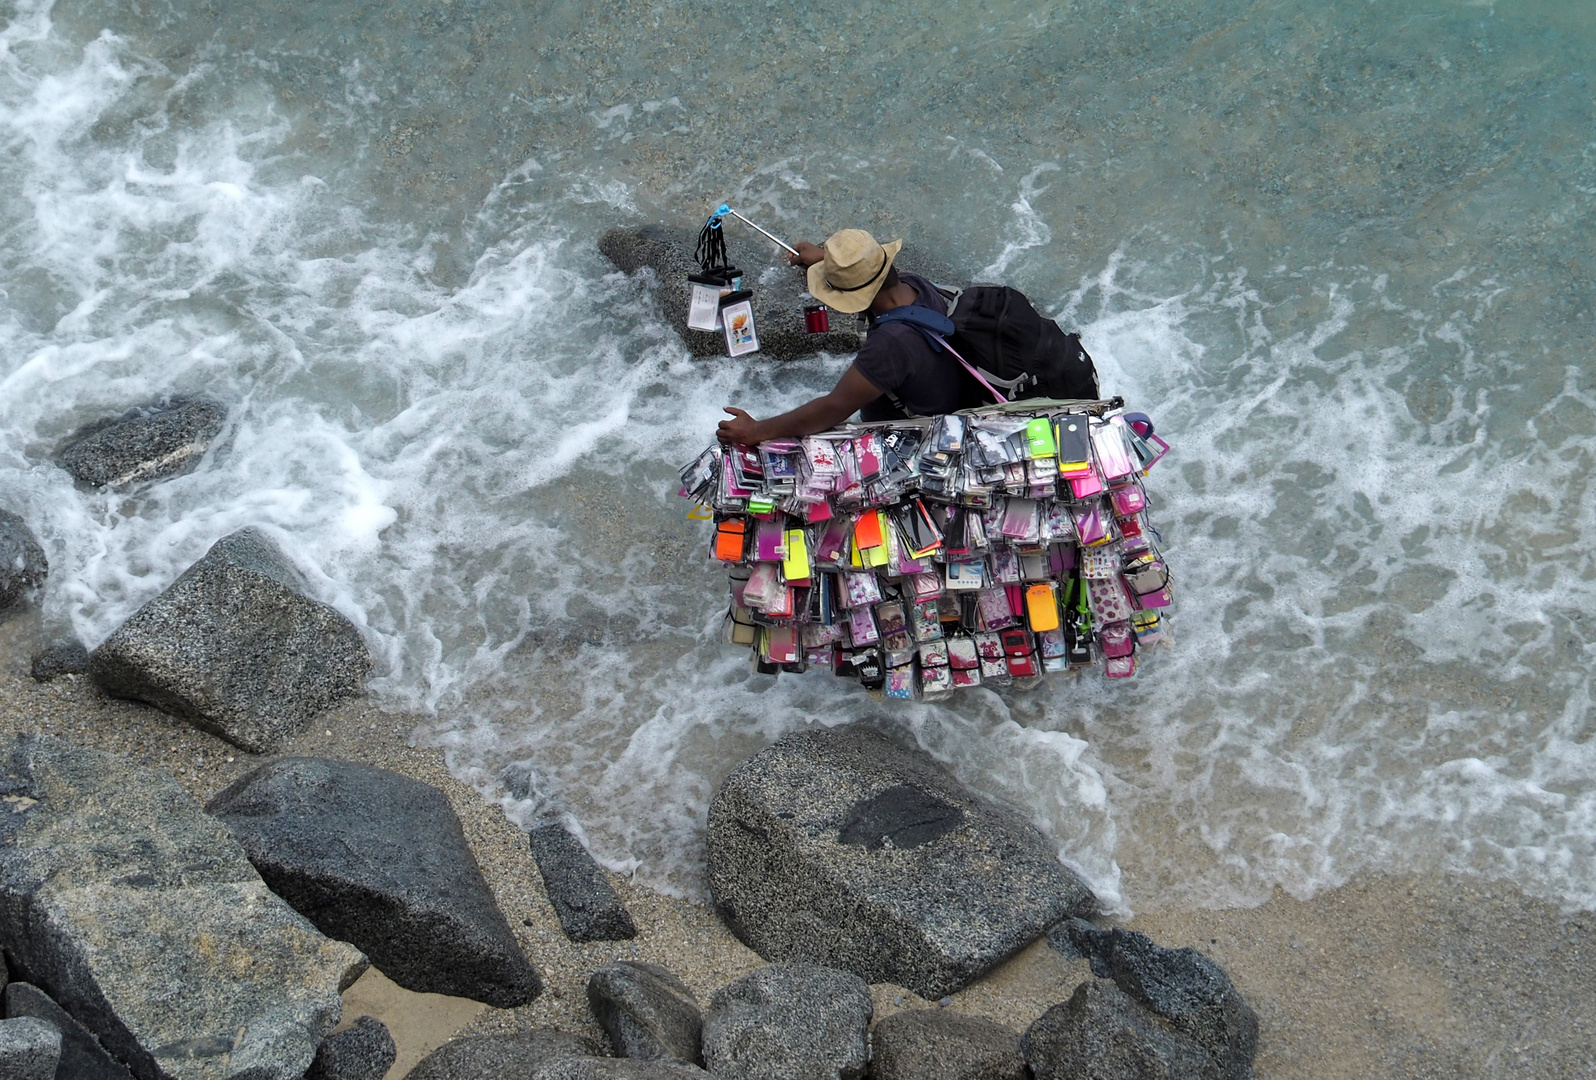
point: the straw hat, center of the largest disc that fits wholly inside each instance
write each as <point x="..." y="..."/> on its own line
<point x="853" y="271"/>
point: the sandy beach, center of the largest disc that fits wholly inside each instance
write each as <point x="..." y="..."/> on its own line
<point x="1391" y="976"/>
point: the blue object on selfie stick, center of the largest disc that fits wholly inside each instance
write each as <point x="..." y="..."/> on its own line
<point x="725" y="209"/>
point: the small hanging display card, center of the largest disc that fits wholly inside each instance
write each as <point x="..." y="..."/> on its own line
<point x="737" y="318"/>
<point x="704" y="312"/>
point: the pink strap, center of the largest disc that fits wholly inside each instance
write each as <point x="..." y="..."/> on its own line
<point x="939" y="339"/>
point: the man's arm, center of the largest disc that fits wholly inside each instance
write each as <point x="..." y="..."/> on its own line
<point x="852" y="392"/>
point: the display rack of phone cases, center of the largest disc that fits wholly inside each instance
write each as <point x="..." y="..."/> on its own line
<point x="922" y="556"/>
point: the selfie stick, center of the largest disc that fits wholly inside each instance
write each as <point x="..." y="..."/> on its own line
<point x="724" y="209"/>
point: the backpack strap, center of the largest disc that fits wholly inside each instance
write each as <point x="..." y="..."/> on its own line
<point x="935" y="329"/>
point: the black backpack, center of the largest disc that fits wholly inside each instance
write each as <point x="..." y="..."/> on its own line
<point x="1022" y="353"/>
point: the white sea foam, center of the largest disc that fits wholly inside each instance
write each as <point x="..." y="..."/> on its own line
<point x="1383" y="565"/>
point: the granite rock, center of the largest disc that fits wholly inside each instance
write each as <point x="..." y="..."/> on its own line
<point x="935" y="1044"/>
<point x="64" y="657"/>
<point x="582" y="897"/>
<point x="501" y="1057"/>
<point x="363" y="1051"/>
<point x="142" y="917"/>
<point x="647" y="1012"/>
<point x="789" y="1022"/>
<point x="23" y="566"/>
<point x="82" y="1056"/>
<point x="839" y="847"/>
<point x="616" y="1069"/>
<point x="236" y="648"/>
<point x="144" y="444"/>
<point x="30" y="1049"/>
<point x="1100" y="1033"/>
<point x="1181" y="985"/>
<point x="380" y="860"/>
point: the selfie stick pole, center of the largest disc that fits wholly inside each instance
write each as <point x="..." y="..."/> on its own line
<point x="724" y="209"/>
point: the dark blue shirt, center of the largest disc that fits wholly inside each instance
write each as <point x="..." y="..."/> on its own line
<point x="898" y="360"/>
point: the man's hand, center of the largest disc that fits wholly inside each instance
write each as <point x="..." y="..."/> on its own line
<point x="741" y="428"/>
<point x="808" y="255"/>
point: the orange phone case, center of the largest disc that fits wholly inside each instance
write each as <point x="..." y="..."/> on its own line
<point x="731" y="537"/>
<point x="1042" y="607"/>
<point x="867" y="533"/>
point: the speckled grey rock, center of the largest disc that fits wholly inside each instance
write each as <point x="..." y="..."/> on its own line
<point x="582" y="897"/>
<point x="380" y="860"/>
<point x="789" y="1022"/>
<point x="142" y="917"/>
<point x="1100" y="1033"/>
<point x="64" y="657"/>
<point x="236" y="648"/>
<point x="501" y="1057"/>
<point x="82" y="1057"/>
<point x="936" y="1044"/>
<point x="23" y="567"/>
<point x="1181" y="985"/>
<point x="836" y="846"/>
<point x="144" y="444"/>
<point x="362" y="1051"/>
<point x="617" y="1069"/>
<point x="647" y="1012"/>
<point x="30" y="1049"/>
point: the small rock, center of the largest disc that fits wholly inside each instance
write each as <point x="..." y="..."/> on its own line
<point x="837" y="846"/>
<point x="380" y="860"/>
<point x="236" y="648"/>
<point x="789" y="1022"/>
<point x="363" y="1051"/>
<point x="1100" y="1033"/>
<point x="1182" y="985"/>
<point x="143" y="917"/>
<point x="647" y="1012"/>
<point x="617" y="1069"/>
<point x="588" y="908"/>
<point x="925" y="1045"/>
<point x="82" y="1056"/>
<point x="64" y="657"/>
<point x="30" y="1049"/>
<point x="23" y="567"/>
<point x="501" y="1057"/>
<point x="145" y="444"/>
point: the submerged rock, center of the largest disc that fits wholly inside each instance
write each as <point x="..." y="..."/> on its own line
<point x="1100" y="1033"/>
<point x="82" y="1056"/>
<point x="23" y="567"/>
<point x="1181" y="985"/>
<point x="934" y="1044"/>
<point x="380" y="860"/>
<point x="647" y="1012"/>
<point x="143" y="918"/>
<point x="836" y="846"/>
<point x="30" y="1049"/>
<point x="64" y="657"/>
<point x="577" y="888"/>
<point x="363" y="1051"/>
<point x="236" y="648"/>
<point x="145" y="444"/>
<point x="501" y="1057"/>
<point x="789" y="1022"/>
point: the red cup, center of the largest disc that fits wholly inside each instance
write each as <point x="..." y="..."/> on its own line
<point x="817" y="320"/>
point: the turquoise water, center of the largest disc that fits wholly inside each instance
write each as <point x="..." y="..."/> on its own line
<point x="1342" y="253"/>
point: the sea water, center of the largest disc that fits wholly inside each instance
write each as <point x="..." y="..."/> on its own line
<point x="1342" y="253"/>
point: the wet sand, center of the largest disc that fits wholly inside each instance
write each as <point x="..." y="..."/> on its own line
<point x="1388" y="976"/>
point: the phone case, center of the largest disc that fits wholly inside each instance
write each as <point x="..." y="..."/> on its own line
<point x="994" y="609"/>
<point x="1086" y="485"/>
<point x="862" y="627"/>
<point x="1120" y="667"/>
<point x="933" y="654"/>
<point x="962" y="655"/>
<point x="1041" y="607"/>
<point x="1073" y="444"/>
<point x="868" y="531"/>
<point x="1112" y="452"/>
<point x="769" y="540"/>
<point x="1116" y="639"/>
<point x="966" y="575"/>
<point x="731" y="539"/>
<point x="795" y="565"/>
<point x="1039" y="437"/>
<point x="935" y="681"/>
<point x="1128" y="500"/>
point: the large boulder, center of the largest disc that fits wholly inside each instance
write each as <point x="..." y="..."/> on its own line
<point x="144" y="444"/>
<point x="935" y="1044"/>
<point x="647" y="1012"/>
<point x="582" y="897"/>
<point x="22" y="563"/>
<point x="839" y="847"/>
<point x="1181" y="985"/>
<point x="142" y="917"/>
<point x="501" y="1057"/>
<point x="616" y="1069"/>
<point x="30" y="1049"/>
<point x="789" y="1022"/>
<point x="364" y="1050"/>
<point x="82" y="1056"/>
<point x="234" y="646"/>
<point x="380" y="860"/>
<point x="66" y="656"/>
<point x="1100" y="1033"/>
